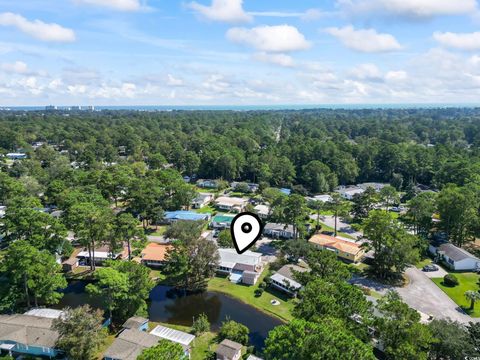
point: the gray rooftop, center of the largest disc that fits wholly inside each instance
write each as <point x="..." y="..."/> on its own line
<point x="28" y="330"/>
<point x="130" y="343"/>
<point x="134" y="322"/>
<point x="455" y="253"/>
<point x="278" y="227"/>
<point x="228" y="348"/>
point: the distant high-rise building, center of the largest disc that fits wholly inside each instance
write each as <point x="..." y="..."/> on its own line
<point x="50" y="108"/>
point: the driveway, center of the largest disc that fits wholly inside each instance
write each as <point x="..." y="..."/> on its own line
<point x="342" y="226"/>
<point x="440" y="273"/>
<point x="423" y="295"/>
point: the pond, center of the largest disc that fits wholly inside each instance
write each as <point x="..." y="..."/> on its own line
<point x="168" y="307"/>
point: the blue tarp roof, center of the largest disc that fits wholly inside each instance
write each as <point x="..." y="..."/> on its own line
<point x="185" y="215"/>
<point x="286" y="191"/>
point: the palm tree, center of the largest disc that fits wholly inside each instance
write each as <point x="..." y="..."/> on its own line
<point x="339" y="206"/>
<point x="473" y="296"/>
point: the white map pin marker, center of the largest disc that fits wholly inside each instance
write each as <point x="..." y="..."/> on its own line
<point x="246" y="229"/>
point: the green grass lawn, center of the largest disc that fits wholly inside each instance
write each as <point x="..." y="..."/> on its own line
<point x="331" y="229"/>
<point x="206" y="209"/>
<point x="468" y="281"/>
<point x="159" y="231"/>
<point x="246" y="294"/>
<point x="423" y="262"/>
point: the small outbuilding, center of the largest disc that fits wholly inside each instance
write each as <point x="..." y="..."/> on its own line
<point x="229" y="350"/>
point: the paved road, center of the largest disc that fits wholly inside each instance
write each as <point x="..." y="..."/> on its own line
<point x="329" y="220"/>
<point x="423" y="295"/>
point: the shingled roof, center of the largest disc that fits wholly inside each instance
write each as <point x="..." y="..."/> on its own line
<point x="228" y="348"/>
<point x="28" y="330"/>
<point x="130" y="344"/>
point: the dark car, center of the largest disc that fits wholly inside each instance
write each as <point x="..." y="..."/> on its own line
<point x="429" y="268"/>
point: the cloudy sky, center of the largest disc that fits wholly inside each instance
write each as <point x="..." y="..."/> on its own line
<point x="234" y="52"/>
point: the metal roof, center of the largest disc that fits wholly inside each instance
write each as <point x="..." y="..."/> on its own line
<point x="173" y="335"/>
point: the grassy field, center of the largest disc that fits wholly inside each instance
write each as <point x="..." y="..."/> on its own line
<point x="157" y="231"/>
<point x="206" y="209"/>
<point x="423" y="262"/>
<point x="468" y="281"/>
<point x="331" y="229"/>
<point x="246" y="294"/>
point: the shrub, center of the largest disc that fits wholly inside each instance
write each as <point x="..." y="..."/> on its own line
<point x="258" y="292"/>
<point x="234" y="331"/>
<point x="201" y="324"/>
<point x="262" y="285"/>
<point x="450" y="280"/>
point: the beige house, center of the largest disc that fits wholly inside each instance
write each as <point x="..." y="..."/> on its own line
<point x="243" y="268"/>
<point x="345" y="250"/>
<point x="234" y="204"/>
<point x="229" y="350"/>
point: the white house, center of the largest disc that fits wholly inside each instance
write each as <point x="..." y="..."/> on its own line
<point x="456" y="258"/>
<point x="179" y="337"/>
<point x="349" y="192"/>
<point x="202" y="199"/>
<point x="245" y="268"/>
<point x="277" y="231"/>
<point x="284" y="280"/>
<point x="262" y="211"/>
<point x="322" y="198"/>
<point x="231" y="203"/>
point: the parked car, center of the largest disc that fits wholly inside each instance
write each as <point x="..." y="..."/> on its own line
<point x="430" y="268"/>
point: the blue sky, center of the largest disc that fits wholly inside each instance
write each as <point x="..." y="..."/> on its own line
<point x="234" y="52"/>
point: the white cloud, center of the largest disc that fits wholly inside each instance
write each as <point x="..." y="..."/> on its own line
<point x="173" y="81"/>
<point x="38" y="29"/>
<point x="120" y="5"/>
<point x="462" y="41"/>
<point x="308" y="15"/>
<point x="399" y="75"/>
<point x="367" y="72"/>
<point x="279" y="38"/>
<point x="365" y="40"/>
<point x="229" y="11"/>
<point x="18" y="67"/>
<point x="410" y="8"/>
<point x="277" y="59"/>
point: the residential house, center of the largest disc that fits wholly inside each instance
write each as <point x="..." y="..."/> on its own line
<point x="136" y="323"/>
<point x="208" y="184"/>
<point x="70" y="264"/>
<point x="3" y="209"/>
<point x="102" y="254"/>
<point x="374" y="185"/>
<point x="28" y="335"/>
<point x="176" y="336"/>
<point x="263" y="211"/>
<point x="240" y="268"/>
<point x="129" y="344"/>
<point x="349" y="192"/>
<point x="229" y="350"/>
<point x="345" y="250"/>
<point x="222" y="221"/>
<point x="233" y="204"/>
<point x="284" y="280"/>
<point x="16" y="156"/>
<point x="154" y="254"/>
<point x="202" y="199"/>
<point x="279" y="231"/>
<point x="321" y="198"/>
<point x="252" y="187"/>
<point x="253" y="357"/>
<point x="183" y="215"/>
<point x="456" y="258"/>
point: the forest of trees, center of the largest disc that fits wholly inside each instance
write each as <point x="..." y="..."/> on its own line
<point x="113" y="174"/>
